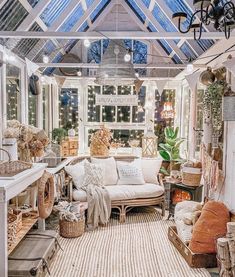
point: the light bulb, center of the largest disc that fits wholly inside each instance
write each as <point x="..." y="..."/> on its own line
<point x="106" y="75"/>
<point x="137" y="75"/>
<point x="127" y="57"/>
<point x="190" y="68"/>
<point x="45" y="58"/>
<point x="86" y="43"/>
<point x="79" y="73"/>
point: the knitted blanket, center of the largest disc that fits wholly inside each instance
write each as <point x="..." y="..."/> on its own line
<point x="99" y="206"/>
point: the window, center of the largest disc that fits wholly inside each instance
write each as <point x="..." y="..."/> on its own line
<point x="32" y="109"/>
<point x="69" y="103"/>
<point x="45" y="107"/>
<point x="13" y="92"/>
<point x="115" y="114"/>
<point x="160" y="123"/>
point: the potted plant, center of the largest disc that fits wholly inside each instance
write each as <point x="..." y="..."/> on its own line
<point x="170" y="150"/>
<point x="58" y="134"/>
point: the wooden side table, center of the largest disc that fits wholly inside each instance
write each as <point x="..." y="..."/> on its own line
<point x="170" y="188"/>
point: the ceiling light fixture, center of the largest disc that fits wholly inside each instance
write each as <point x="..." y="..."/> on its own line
<point x="87" y="43"/>
<point x="45" y="58"/>
<point x="127" y="56"/>
<point x="222" y="15"/>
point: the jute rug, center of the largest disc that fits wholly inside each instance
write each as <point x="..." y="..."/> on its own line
<point x="138" y="248"/>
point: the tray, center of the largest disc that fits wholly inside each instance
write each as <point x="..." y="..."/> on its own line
<point x="193" y="259"/>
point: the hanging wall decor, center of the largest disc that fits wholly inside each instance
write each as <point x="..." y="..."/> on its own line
<point x="100" y="142"/>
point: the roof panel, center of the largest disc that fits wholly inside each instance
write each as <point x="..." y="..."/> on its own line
<point x="140" y="52"/>
<point x="53" y="11"/>
<point x="11" y="15"/>
<point x="99" y="9"/>
<point x="146" y="2"/>
<point x="136" y="10"/>
<point x="164" y="21"/>
<point x="24" y="46"/>
<point x="33" y="3"/>
<point x="48" y="49"/>
<point x="72" y="19"/>
<point x="89" y="3"/>
<point x="187" y="50"/>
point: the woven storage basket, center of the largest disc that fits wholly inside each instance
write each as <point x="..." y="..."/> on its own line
<point x="191" y="176"/>
<point x="12" y="228"/>
<point x="11" y="168"/>
<point x="72" y="229"/>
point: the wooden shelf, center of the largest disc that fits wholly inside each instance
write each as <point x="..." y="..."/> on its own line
<point x="27" y="223"/>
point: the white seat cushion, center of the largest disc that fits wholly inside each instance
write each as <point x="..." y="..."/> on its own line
<point x="122" y="192"/>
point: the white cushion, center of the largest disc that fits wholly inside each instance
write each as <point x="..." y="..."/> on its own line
<point x="77" y="173"/>
<point x="94" y="174"/>
<point x="150" y="169"/>
<point x="111" y="175"/>
<point x="130" y="173"/>
<point x="124" y="192"/>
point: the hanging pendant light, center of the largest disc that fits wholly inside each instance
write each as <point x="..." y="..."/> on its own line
<point x="113" y="69"/>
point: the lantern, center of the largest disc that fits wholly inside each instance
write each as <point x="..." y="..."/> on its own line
<point x="168" y="111"/>
<point x="149" y="145"/>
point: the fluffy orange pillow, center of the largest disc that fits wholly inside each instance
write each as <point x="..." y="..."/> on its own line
<point x="210" y="225"/>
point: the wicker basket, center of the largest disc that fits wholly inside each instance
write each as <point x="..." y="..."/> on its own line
<point x="72" y="229"/>
<point x="10" y="168"/>
<point x="12" y="228"/>
<point x="191" y="176"/>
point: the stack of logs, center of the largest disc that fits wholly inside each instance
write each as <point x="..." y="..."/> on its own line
<point x="226" y="252"/>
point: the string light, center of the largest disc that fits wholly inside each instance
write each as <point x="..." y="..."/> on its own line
<point x="87" y="43"/>
<point x="45" y="58"/>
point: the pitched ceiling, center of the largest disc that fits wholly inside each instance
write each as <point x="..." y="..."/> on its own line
<point x="101" y="15"/>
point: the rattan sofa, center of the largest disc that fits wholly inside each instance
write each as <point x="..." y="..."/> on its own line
<point x="124" y="205"/>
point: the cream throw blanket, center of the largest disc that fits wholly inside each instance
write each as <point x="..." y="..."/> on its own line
<point x="99" y="203"/>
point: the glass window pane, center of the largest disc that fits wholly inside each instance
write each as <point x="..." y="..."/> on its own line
<point x="13" y="92"/>
<point x="32" y="104"/>
<point x="93" y="114"/>
<point x="108" y="113"/>
<point x="69" y="101"/>
<point x="123" y="113"/>
<point x="45" y="103"/>
<point x="124" y="90"/>
<point x="138" y="112"/>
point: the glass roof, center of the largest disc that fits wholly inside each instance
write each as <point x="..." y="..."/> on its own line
<point x="14" y="12"/>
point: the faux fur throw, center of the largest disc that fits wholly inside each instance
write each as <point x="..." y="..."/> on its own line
<point x="99" y="203"/>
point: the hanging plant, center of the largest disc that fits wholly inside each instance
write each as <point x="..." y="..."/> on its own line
<point x="212" y="105"/>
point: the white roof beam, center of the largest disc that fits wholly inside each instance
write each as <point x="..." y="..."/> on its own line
<point x="94" y="65"/>
<point x="151" y="6"/>
<point x="84" y="6"/>
<point x="158" y="26"/>
<point x="110" y="34"/>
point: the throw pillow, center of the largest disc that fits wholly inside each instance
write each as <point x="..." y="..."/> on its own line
<point x="130" y="173"/>
<point x="109" y="164"/>
<point x="77" y="173"/>
<point x="150" y="168"/>
<point x="211" y="224"/>
<point x="94" y="175"/>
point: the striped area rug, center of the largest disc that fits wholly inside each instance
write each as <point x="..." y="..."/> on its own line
<point x="138" y="248"/>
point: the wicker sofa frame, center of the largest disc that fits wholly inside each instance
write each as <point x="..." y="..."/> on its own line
<point x="123" y="206"/>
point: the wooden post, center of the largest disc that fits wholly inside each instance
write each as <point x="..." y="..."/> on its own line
<point x="224" y="256"/>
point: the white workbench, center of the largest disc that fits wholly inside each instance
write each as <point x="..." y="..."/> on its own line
<point x="9" y="188"/>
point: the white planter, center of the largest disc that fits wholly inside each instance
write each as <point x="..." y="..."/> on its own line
<point x="10" y="145"/>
